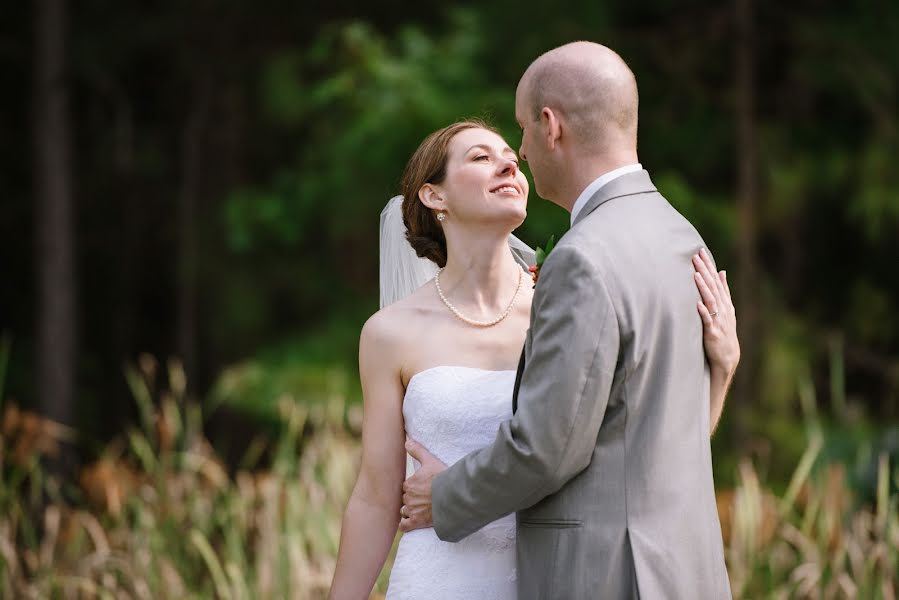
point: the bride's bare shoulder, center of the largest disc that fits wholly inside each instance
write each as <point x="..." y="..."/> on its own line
<point x="395" y="323"/>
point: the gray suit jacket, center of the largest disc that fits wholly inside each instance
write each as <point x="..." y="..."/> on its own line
<point x="607" y="459"/>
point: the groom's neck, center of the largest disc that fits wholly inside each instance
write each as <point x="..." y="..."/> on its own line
<point x="584" y="172"/>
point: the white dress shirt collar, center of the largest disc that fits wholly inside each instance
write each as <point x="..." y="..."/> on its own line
<point x="600" y="181"/>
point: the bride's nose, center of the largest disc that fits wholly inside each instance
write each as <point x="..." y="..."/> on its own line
<point x="508" y="167"/>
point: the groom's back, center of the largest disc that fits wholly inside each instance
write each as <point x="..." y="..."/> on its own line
<point x="647" y="497"/>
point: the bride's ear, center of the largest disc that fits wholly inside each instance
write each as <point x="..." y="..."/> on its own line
<point x="432" y="197"/>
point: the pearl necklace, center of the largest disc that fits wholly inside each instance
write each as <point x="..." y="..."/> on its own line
<point x="475" y="322"/>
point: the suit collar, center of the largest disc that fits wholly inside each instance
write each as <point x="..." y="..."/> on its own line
<point x="629" y="184"/>
<point x="600" y="181"/>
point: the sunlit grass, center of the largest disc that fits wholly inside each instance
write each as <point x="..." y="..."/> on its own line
<point x="159" y="516"/>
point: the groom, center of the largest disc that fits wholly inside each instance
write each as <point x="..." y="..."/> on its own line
<point x="607" y="457"/>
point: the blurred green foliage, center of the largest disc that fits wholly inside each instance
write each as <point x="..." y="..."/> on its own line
<point x="364" y="98"/>
<point x="308" y="113"/>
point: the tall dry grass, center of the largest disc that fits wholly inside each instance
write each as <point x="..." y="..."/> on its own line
<point x="161" y="518"/>
<point x="814" y="541"/>
<point x="158" y="516"/>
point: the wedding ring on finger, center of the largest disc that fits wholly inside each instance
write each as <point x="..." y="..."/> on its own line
<point x="714" y="314"/>
<point x="403" y="512"/>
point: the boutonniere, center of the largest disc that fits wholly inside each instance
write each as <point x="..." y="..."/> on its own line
<point x="541" y="258"/>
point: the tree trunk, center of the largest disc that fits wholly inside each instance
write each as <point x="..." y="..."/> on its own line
<point x="188" y="255"/>
<point x="56" y="294"/>
<point x="748" y="297"/>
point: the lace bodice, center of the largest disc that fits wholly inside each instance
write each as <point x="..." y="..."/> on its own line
<point x="453" y="411"/>
<point x="456" y="410"/>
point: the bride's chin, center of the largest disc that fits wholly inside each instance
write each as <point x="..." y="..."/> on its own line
<point x="519" y="218"/>
<point x="515" y="214"/>
<point x="507" y="219"/>
<point x="513" y="222"/>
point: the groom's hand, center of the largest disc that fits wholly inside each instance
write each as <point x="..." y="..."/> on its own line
<point x="416" y="510"/>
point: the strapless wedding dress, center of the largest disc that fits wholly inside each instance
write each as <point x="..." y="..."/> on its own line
<point x="453" y="411"/>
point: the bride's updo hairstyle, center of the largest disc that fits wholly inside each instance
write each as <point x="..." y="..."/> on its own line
<point x="428" y="165"/>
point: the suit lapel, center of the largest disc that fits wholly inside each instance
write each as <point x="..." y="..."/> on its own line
<point x="629" y="184"/>
<point x="518" y="373"/>
<point x="637" y="182"/>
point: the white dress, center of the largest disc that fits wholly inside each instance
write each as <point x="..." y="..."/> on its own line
<point x="453" y="411"/>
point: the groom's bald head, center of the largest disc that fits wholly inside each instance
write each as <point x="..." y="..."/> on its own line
<point x="593" y="90"/>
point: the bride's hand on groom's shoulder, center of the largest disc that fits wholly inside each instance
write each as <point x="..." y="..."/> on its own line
<point x="719" y="320"/>
<point x="416" y="510"/>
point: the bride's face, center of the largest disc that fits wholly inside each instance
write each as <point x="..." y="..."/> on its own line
<point x="483" y="183"/>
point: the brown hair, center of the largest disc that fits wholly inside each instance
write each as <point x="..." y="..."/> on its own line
<point x="428" y="165"/>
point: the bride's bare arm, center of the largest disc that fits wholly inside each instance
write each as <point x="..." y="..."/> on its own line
<point x="719" y="328"/>
<point x="373" y="512"/>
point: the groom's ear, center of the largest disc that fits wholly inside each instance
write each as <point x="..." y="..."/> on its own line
<point x="431" y="197"/>
<point x="552" y="128"/>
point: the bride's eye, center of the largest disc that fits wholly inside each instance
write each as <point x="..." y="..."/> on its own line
<point x="480" y="156"/>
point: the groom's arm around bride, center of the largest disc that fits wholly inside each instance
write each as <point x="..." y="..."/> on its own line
<point x="562" y="399"/>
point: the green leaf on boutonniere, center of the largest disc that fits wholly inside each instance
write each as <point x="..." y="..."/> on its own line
<point x="541" y="255"/>
<point x="549" y="246"/>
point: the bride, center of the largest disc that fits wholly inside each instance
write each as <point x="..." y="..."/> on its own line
<point x="438" y="361"/>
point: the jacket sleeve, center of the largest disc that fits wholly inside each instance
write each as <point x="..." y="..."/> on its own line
<point x="571" y="356"/>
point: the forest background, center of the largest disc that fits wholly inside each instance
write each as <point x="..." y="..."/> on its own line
<point x="198" y="185"/>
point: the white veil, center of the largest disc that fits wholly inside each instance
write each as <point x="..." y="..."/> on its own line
<point x="402" y="271"/>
